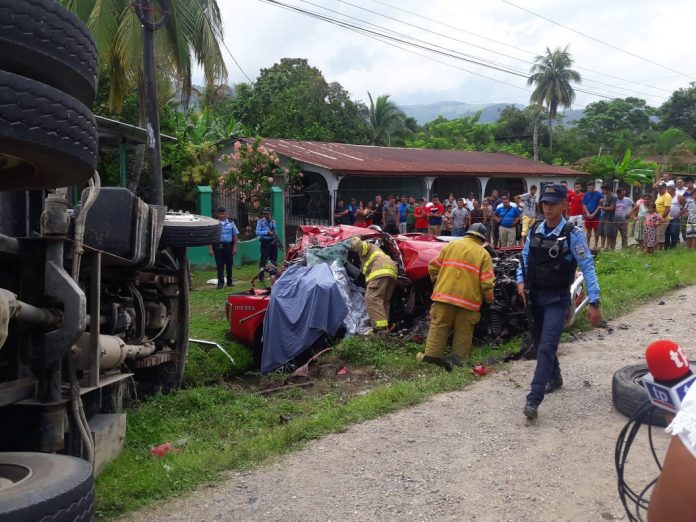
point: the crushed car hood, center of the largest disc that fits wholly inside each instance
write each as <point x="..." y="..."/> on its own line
<point x="417" y="250"/>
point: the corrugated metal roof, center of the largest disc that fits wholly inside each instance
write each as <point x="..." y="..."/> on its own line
<point x="360" y="160"/>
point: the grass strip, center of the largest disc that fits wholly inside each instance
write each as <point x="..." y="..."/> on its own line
<point x="223" y="427"/>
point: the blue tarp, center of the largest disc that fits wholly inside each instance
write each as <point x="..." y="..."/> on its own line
<point x="305" y="303"/>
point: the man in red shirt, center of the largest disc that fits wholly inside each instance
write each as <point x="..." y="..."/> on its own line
<point x="421" y="215"/>
<point x="575" y="212"/>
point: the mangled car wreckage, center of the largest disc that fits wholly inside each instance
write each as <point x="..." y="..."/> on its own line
<point x="506" y="317"/>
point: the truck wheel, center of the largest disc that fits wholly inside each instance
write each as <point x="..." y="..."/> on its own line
<point x="188" y="230"/>
<point x="628" y="394"/>
<point x="43" y="41"/>
<point x="47" y="138"/>
<point x="43" y="487"/>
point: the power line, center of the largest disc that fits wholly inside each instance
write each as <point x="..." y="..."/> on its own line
<point x="512" y="46"/>
<point x="594" y="39"/>
<point x="633" y="91"/>
<point x="236" y="62"/>
<point x="457" y="54"/>
<point x="383" y="37"/>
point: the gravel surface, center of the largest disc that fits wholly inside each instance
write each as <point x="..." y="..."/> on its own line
<point x="470" y="454"/>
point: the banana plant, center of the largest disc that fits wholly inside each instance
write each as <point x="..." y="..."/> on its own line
<point x="629" y="170"/>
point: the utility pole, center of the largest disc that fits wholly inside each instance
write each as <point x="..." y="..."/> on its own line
<point x="146" y="12"/>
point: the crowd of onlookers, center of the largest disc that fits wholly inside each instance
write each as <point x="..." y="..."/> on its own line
<point x="656" y="221"/>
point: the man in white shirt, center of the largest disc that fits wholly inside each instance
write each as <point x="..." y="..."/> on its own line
<point x="530" y="203"/>
<point x="674" y="219"/>
<point x="624" y="206"/>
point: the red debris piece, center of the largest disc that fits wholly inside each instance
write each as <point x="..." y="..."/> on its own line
<point x="481" y="370"/>
<point x="342" y="371"/>
<point x="163" y="449"/>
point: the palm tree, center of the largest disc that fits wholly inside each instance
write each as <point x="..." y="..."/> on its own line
<point x="386" y="119"/>
<point x="192" y="32"/>
<point x="552" y="76"/>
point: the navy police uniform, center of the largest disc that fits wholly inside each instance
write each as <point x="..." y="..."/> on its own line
<point x="268" y="237"/>
<point x="224" y="251"/>
<point x="550" y="258"/>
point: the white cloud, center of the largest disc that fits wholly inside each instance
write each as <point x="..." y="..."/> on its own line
<point x="259" y="35"/>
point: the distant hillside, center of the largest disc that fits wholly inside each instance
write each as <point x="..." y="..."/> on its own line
<point x="452" y="109"/>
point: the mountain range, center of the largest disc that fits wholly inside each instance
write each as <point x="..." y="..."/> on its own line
<point x="452" y="109"/>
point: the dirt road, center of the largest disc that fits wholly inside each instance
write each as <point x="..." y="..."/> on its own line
<point x="467" y="455"/>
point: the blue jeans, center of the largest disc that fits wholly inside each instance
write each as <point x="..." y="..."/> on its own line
<point x="672" y="233"/>
<point x="459" y="231"/>
<point x="549" y="308"/>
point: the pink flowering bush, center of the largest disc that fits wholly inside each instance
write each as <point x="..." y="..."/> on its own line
<point x="252" y="169"/>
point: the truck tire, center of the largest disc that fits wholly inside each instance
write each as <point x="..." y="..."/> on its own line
<point x="47" y="138"/>
<point x="43" y="41"/>
<point x="188" y="230"/>
<point x="45" y="487"/>
<point x="628" y="394"/>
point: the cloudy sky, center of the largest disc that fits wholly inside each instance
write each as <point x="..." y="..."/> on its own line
<point x="660" y="33"/>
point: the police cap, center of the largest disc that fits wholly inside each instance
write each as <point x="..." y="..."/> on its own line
<point x="554" y="193"/>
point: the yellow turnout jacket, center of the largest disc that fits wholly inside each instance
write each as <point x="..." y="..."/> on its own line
<point x="462" y="274"/>
<point x="375" y="263"/>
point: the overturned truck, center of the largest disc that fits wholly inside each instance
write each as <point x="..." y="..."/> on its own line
<point x="503" y="319"/>
<point x="93" y="296"/>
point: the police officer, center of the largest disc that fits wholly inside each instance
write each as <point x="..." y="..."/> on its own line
<point x="225" y="249"/>
<point x="551" y="254"/>
<point x="463" y="277"/>
<point x="268" y="237"/>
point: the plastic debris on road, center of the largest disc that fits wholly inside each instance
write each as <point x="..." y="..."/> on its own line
<point x="481" y="370"/>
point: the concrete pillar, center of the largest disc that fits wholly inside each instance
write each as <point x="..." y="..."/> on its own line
<point x="483" y="180"/>
<point x="333" y="182"/>
<point x="205" y="200"/>
<point x="278" y="212"/>
<point x="429" y="180"/>
<point x="198" y="256"/>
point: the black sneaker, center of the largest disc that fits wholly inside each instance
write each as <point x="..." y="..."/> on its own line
<point x="219" y="286"/>
<point x="531" y="410"/>
<point x="553" y="385"/>
<point x="456" y="360"/>
<point x="230" y="283"/>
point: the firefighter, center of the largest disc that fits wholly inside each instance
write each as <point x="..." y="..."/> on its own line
<point x="380" y="281"/>
<point x="462" y="276"/>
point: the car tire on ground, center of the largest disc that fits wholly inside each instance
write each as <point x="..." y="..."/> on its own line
<point x="42" y="40"/>
<point x="628" y="394"/>
<point x="188" y="230"/>
<point x="47" y="138"/>
<point x="43" y="487"/>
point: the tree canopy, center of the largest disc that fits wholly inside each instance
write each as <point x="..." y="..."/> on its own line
<point x="679" y="110"/>
<point x="292" y="99"/>
<point x="607" y="122"/>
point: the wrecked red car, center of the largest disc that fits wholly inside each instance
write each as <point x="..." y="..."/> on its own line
<point x="501" y="320"/>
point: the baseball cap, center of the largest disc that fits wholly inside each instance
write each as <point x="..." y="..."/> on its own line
<point x="267" y="209"/>
<point x="554" y="193"/>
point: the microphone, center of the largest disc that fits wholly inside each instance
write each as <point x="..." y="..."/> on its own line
<point x="670" y="375"/>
